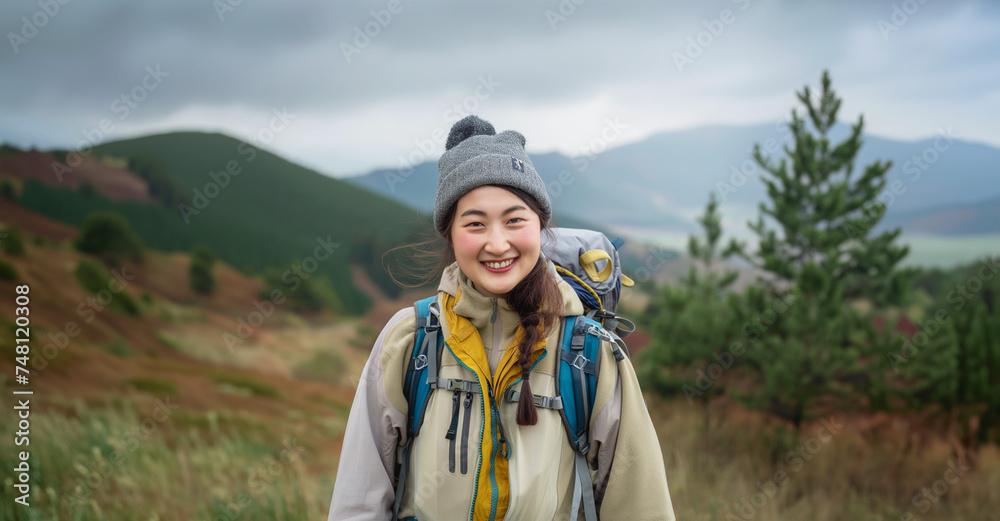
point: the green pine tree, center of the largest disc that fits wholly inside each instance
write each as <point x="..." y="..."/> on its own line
<point x="818" y="251"/>
<point x="953" y="361"/>
<point x="200" y="273"/>
<point x="692" y="324"/>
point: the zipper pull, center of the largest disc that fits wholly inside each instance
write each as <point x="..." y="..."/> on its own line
<point x="453" y="428"/>
<point x="468" y="399"/>
<point x="493" y="316"/>
<point x="505" y="448"/>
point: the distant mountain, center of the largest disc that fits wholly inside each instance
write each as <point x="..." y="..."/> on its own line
<point x="660" y="182"/>
<point x="951" y="220"/>
<point x="417" y="188"/>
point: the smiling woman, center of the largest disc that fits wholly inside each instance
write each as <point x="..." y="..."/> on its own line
<point x="491" y="343"/>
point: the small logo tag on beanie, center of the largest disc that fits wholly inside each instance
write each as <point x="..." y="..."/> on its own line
<point x="517" y="164"/>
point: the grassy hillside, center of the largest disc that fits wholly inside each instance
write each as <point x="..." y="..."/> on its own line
<point x="154" y="415"/>
<point x="251" y="207"/>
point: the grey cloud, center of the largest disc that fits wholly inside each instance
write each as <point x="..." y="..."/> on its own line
<point x="263" y="55"/>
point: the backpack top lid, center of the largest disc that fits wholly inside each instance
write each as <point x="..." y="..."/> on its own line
<point x="591" y="258"/>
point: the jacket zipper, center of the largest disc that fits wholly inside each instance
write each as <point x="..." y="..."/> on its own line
<point x="452" y="430"/>
<point x="494" y="488"/>
<point x="465" y="433"/>
<point x="496" y="353"/>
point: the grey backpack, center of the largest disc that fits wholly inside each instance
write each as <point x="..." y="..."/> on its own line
<point x="589" y="262"/>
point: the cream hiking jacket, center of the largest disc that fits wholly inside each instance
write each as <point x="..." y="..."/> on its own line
<point x="467" y="476"/>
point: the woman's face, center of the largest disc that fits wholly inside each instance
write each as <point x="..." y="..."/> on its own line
<point x="496" y="238"/>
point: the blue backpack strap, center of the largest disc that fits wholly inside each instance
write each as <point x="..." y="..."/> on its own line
<point x="578" y="367"/>
<point x="421" y="377"/>
<point x="576" y="377"/>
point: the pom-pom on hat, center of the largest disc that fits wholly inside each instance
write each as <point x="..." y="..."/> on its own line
<point x="475" y="155"/>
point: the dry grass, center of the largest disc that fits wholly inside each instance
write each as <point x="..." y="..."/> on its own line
<point x="870" y="469"/>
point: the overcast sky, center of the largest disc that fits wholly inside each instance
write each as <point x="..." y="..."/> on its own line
<point x="556" y="71"/>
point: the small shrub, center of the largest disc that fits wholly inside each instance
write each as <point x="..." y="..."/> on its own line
<point x="120" y="348"/>
<point x="7" y="271"/>
<point x="251" y="384"/>
<point x="12" y="240"/>
<point x="11" y="188"/>
<point x="109" y="236"/>
<point x="152" y="385"/>
<point x="200" y="273"/>
<point x="169" y="342"/>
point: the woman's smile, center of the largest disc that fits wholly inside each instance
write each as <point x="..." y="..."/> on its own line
<point x="499" y="266"/>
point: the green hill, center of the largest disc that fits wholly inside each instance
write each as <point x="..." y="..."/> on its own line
<point x="251" y="207"/>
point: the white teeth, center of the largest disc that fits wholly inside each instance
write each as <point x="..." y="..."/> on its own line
<point x="499" y="265"/>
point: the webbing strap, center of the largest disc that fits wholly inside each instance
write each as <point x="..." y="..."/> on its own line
<point x="619" y="349"/>
<point x="584" y="420"/>
<point x="545" y="402"/>
<point x="578" y="361"/>
<point x="454" y="384"/>
<point x="401" y="482"/>
<point x="574" y="511"/>
<point x="431" y="326"/>
<point x="583" y="490"/>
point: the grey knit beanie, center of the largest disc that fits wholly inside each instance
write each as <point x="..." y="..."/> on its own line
<point x="475" y="155"/>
